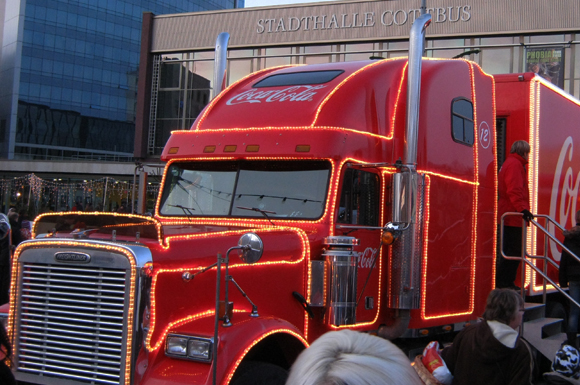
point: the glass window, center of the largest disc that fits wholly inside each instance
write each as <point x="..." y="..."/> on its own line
<point x="239" y="69"/>
<point x="278" y="57"/>
<point x="204" y="69"/>
<point x="496" y="60"/>
<point x="245" y="53"/>
<point x="366" y="48"/>
<point x="270" y="189"/>
<point x="51" y="15"/>
<point x="298" y="78"/>
<point x="317" y="59"/>
<point x="204" y="55"/>
<point x="317" y="49"/>
<point x="462" y="121"/>
<point x="360" y="198"/>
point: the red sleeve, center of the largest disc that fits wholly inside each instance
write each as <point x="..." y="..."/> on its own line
<point x="516" y="190"/>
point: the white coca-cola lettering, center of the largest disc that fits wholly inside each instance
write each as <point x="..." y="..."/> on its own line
<point x="291" y="94"/>
<point x="365" y="258"/>
<point x="563" y="202"/>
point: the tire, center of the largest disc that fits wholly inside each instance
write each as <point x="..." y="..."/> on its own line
<point x="260" y="373"/>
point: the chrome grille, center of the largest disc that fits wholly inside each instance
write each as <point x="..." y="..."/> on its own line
<point x="71" y="321"/>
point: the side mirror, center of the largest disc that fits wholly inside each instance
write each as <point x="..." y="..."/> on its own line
<point x="251" y="248"/>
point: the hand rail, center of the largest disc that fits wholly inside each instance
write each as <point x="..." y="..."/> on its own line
<point x="528" y="259"/>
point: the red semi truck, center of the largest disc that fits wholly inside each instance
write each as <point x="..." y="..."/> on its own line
<point x="357" y="195"/>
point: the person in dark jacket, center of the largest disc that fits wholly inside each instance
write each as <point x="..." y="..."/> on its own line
<point x="570" y="277"/>
<point x="490" y="351"/>
<point x="6" y="376"/>
<point x="15" y="226"/>
<point x="514" y="196"/>
<point x="5" y="254"/>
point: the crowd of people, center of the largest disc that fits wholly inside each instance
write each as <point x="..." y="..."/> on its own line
<point x="488" y="352"/>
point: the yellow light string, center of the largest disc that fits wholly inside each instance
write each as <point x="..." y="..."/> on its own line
<point x="254" y="221"/>
<point x="495" y="184"/>
<point x="145" y="219"/>
<point x="304" y="257"/>
<point x="211" y="105"/>
<point x="380" y="257"/>
<point x="279" y="128"/>
<point x="239" y="359"/>
<point x="474" y="226"/>
<point x="349" y="77"/>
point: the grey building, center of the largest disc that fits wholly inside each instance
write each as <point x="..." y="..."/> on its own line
<point x="502" y="36"/>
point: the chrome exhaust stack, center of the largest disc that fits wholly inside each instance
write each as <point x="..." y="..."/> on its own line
<point x="405" y="284"/>
<point x="220" y="64"/>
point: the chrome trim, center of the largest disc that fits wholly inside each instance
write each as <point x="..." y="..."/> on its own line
<point x="187" y="357"/>
<point x="221" y="62"/>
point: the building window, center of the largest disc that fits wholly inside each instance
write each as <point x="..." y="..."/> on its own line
<point x="359" y="200"/>
<point x="462" y="121"/>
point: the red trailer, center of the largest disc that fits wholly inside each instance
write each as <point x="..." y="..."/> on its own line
<point x="532" y="109"/>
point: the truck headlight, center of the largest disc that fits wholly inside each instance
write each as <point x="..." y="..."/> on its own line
<point x="193" y="348"/>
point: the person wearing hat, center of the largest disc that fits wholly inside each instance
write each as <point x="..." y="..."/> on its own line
<point x="490" y="351"/>
<point x="565" y="367"/>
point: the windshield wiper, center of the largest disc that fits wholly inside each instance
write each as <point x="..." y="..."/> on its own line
<point x="263" y="212"/>
<point x="186" y="210"/>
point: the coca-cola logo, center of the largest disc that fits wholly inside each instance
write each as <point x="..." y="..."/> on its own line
<point x="564" y="193"/>
<point x="366" y="258"/>
<point x="289" y="94"/>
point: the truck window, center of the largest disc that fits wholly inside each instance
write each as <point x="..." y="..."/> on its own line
<point x="273" y="189"/>
<point x="462" y="121"/>
<point x="359" y="199"/>
<point x="298" y="78"/>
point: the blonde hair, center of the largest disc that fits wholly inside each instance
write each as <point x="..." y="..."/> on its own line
<point x="520" y="147"/>
<point x="347" y="357"/>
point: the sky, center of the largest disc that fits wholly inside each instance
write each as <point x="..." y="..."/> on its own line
<point x="261" y="3"/>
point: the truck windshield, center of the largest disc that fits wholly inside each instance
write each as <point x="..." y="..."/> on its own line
<point x="275" y="189"/>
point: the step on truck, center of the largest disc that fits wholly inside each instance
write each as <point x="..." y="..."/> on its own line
<point x="304" y="199"/>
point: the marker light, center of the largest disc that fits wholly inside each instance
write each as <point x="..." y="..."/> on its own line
<point x="193" y="348"/>
<point x="230" y="148"/>
<point x="388" y="238"/>
<point x="303" y="148"/>
<point x="173" y="150"/>
<point x="252" y="148"/>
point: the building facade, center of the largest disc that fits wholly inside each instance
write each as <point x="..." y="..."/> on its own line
<point x="68" y="76"/>
<point x="502" y="36"/>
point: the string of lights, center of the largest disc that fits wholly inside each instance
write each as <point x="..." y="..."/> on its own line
<point x="35" y="191"/>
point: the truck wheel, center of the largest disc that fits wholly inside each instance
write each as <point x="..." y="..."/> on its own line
<point x="260" y="373"/>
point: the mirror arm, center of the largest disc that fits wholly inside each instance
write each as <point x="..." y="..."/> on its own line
<point x="254" y="312"/>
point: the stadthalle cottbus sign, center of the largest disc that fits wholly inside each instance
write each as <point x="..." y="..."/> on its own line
<point x="397" y="17"/>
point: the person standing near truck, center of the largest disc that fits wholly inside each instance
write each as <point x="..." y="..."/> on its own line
<point x="514" y="195"/>
<point x="569" y="276"/>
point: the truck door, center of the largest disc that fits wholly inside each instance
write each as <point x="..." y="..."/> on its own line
<point x="359" y="205"/>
